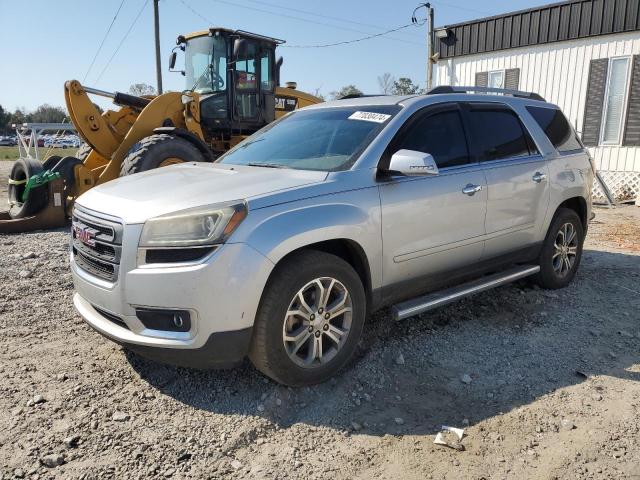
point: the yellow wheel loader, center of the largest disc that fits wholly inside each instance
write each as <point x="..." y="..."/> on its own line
<point x="232" y="90"/>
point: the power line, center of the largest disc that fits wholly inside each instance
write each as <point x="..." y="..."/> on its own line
<point x="102" y="42"/>
<point x="460" y="7"/>
<point x="196" y="13"/>
<point x="135" y="20"/>
<point x="315" y="14"/>
<point x="283" y="15"/>
<point x="345" y="42"/>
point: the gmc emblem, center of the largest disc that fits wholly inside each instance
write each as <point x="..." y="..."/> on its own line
<point x="85" y="235"/>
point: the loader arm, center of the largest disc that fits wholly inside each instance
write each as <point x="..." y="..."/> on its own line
<point x="112" y="133"/>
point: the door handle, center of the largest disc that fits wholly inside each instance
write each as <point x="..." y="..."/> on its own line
<point x="538" y="177"/>
<point x="471" y="189"/>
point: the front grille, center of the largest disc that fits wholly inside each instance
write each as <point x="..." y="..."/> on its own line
<point x="96" y="243"/>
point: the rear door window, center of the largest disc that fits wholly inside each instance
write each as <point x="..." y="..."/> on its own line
<point x="441" y="135"/>
<point x="497" y="133"/>
<point x="556" y="127"/>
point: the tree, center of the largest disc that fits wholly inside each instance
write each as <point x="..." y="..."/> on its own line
<point x="317" y="93"/>
<point x="17" y="117"/>
<point x="5" y="116"/>
<point x="344" y="91"/>
<point x="140" y="89"/>
<point x="46" y="113"/>
<point x="404" y="86"/>
<point x="386" y="82"/>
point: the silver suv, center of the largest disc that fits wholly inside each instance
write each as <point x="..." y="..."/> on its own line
<point x="283" y="247"/>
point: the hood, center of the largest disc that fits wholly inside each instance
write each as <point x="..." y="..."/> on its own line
<point x="138" y="197"/>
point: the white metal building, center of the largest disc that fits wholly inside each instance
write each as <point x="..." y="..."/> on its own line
<point x="583" y="55"/>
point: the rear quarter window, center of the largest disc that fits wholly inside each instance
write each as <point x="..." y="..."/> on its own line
<point x="556" y="127"/>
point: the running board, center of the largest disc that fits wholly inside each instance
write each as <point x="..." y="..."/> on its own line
<point x="430" y="301"/>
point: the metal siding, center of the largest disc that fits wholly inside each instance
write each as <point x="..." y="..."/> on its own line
<point x="466" y="36"/>
<point x="474" y="38"/>
<point x="544" y="26"/>
<point x="525" y="29"/>
<point x="482" y="37"/>
<point x="574" y="20"/>
<point x="631" y="17"/>
<point x="585" y="19"/>
<point x="515" y="31"/>
<point x="620" y="16"/>
<point x="535" y="28"/>
<point x="491" y="28"/>
<point x="497" y="35"/>
<point x="552" y="23"/>
<point x="563" y="28"/>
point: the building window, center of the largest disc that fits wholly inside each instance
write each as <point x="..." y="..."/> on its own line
<point x="614" y="101"/>
<point x="496" y="79"/>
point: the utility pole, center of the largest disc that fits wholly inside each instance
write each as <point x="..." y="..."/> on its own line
<point x="156" y="25"/>
<point x="431" y="46"/>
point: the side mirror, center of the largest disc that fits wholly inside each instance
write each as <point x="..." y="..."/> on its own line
<point x="413" y="163"/>
<point x="239" y="47"/>
<point x="172" y="60"/>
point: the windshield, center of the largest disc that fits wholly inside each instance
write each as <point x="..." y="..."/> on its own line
<point x="206" y="64"/>
<point x="328" y="139"/>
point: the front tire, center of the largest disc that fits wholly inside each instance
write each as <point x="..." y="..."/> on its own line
<point x="562" y="250"/>
<point x="159" y="150"/>
<point x="310" y="319"/>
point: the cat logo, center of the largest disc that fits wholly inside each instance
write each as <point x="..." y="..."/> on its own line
<point x="286" y="104"/>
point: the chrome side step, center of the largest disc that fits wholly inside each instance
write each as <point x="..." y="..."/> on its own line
<point x="430" y="301"/>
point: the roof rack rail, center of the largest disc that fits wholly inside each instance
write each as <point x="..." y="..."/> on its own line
<point x="361" y="95"/>
<point x="503" y="91"/>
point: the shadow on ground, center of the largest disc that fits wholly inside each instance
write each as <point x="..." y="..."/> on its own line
<point x="517" y="343"/>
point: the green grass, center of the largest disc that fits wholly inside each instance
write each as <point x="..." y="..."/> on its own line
<point x="11" y="153"/>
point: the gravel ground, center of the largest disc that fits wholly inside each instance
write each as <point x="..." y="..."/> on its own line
<point x="546" y="385"/>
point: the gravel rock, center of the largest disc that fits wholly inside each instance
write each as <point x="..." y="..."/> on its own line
<point x="25" y="274"/>
<point x="400" y="359"/>
<point x="71" y="441"/>
<point x="53" y="460"/>
<point x="119" y="416"/>
<point x="567" y="424"/>
<point x="466" y="378"/>
<point x="399" y="420"/>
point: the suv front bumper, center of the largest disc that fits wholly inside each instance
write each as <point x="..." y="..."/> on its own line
<point x="221" y="295"/>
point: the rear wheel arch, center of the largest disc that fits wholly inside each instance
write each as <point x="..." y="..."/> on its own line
<point x="578" y="205"/>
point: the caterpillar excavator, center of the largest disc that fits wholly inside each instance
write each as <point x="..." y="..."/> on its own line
<point x="232" y="90"/>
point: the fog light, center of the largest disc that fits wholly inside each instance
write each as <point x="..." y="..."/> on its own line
<point x="167" y="320"/>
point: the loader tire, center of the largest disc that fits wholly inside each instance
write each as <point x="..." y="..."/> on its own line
<point x="66" y="168"/>
<point x="83" y="152"/>
<point x="23" y="169"/>
<point x="50" y="162"/>
<point x="159" y="150"/>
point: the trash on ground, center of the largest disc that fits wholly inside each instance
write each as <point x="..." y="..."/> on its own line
<point x="450" y="437"/>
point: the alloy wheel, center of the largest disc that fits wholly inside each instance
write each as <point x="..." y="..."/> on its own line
<point x="317" y="322"/>
<point x="565" y="249"/>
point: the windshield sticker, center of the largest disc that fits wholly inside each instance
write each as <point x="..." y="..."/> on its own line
<point x="370" y="117"/>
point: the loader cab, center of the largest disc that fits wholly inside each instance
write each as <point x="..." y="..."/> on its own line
<point x="235" y="74"/>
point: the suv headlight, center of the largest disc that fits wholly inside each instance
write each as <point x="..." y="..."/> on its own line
<point x="193" y="227"/>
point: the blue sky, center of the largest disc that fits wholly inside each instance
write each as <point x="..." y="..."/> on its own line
<point x="47" y="42"/>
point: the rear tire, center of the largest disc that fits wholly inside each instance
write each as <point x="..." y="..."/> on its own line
<point x="159" y="150"/>
<point x="315" y="329"/>
<point x="51" y="162"/>
<point x="24" y="169"/>
<point x="561" y="251"/>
